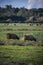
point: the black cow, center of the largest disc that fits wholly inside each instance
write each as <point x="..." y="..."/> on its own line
<point x="29" y="37"/>
<point x="12" y="36"/>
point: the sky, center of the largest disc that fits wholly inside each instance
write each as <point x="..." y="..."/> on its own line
<point x="22" y="3"/>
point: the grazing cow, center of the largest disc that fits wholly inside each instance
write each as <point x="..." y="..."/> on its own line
<point x="12" y="36"/>
<point x="29" y="37"/>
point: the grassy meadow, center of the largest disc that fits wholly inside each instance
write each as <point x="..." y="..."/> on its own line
<point x="22" y="55"/>
<point x="21" y="30"/>
<point x="19" y="52"/>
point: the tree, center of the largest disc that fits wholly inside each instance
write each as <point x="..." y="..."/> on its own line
<point x="9" y="6"/>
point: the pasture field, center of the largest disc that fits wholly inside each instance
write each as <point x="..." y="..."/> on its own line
<point x="21" y="30"/>
<point x="22" y="55"/>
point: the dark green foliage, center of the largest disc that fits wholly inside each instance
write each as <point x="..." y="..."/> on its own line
<point x="21" y="15"/>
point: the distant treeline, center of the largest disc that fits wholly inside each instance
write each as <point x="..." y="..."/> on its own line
<point x="9" y="14"/>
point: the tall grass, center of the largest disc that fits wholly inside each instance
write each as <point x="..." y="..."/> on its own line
<point x="21" y="30"/>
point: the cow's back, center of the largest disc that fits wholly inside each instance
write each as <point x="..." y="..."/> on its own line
<point x="12" y="36"/>
<point x="30" y="37"/>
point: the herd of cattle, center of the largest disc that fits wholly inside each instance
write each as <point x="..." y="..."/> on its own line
<point x="25" y="37"/>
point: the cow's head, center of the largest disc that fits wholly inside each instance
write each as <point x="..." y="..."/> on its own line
<point x="8" y="35"/>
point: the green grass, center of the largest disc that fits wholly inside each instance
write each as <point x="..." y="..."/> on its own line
<point x="28" y="54"/>
<point x="21" y="30"/>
